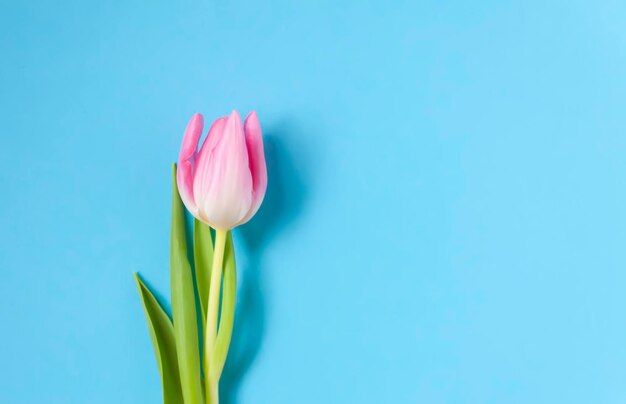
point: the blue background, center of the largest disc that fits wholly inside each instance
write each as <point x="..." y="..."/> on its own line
<point x="444" y="221"/>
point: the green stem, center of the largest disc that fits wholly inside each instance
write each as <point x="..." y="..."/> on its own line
<point x="215" y="396"/>
<point x="227" y="311"/>
<point x="212" y="310"/>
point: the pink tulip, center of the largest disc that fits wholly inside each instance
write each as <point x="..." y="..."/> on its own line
<point x="224" y="183"/>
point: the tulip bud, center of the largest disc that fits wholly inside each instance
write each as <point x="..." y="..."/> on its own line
<point x="224" y="183"/>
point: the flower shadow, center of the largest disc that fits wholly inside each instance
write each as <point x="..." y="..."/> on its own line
<point x="285" y="196"/>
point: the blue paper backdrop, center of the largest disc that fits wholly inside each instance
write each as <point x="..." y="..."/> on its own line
<point x="444" y="221"/>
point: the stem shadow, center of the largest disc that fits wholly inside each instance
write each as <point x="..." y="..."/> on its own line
<point x="284" y="198"/>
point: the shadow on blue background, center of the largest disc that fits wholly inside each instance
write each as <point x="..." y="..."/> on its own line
<point x="284" y="200"/>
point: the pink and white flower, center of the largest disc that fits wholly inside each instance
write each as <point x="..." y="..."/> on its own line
<point x="224" y="183"/>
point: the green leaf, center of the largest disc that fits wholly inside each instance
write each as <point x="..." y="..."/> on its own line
<point x="203" y="257"/>
<point x="162" y="336"/>
<point x="184" y="305"/>
<point x="227" y="313"/>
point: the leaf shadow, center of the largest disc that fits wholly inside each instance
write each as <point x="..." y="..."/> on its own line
<point x="286" y="161"/>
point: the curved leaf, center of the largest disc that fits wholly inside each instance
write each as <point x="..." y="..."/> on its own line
<point x="162" y="336"/>
<point x="184" y="305"/>
<point x="203" y="258"/>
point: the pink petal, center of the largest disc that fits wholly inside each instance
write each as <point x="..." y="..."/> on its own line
<point x="213" y="137"/>
<point x="223" y="184"/>
<point x="203" y="158"/>
<point x="256" y="157"/>
<point x="186" y="162"/>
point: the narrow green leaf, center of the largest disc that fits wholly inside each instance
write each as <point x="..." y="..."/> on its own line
<point x="184" y="305"/>
<point x="203" y="258"/>
<point x="227" y="313"/>
<point x="162" y="336"/>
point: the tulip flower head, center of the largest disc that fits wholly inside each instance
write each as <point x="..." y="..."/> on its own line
<point x="224" y="183"/>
